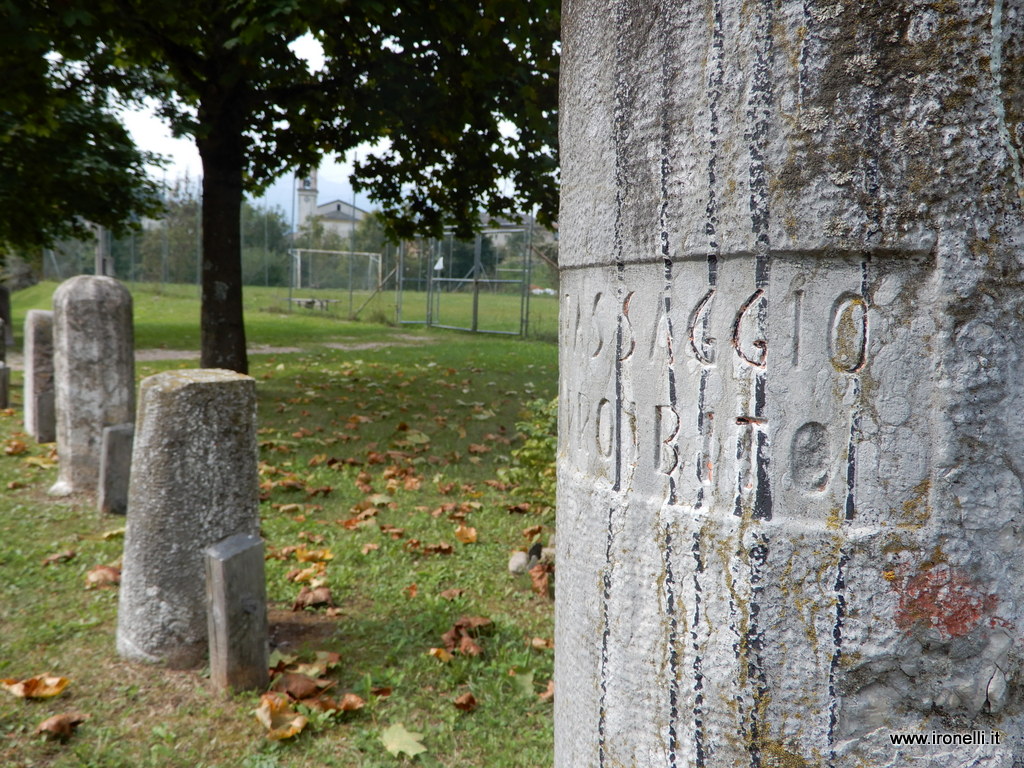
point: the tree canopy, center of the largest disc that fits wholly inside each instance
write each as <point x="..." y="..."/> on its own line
<point x="65" y="159"/>
<point x="459" y="100"/>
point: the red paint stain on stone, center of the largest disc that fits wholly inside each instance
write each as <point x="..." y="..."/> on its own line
<point x="945" y="598"/>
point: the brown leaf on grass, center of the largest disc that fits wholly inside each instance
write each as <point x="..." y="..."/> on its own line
<point x="460" y="636"/>
<point x="277" y="716"/>
<point x="465" y="534"/>
<point x="15" y="447"/>
<point x="441" y="548"/>
<point x="540" y="579"/>
<point x="541" y="643"/>
<point x="452" y="594"/>
<point x="61" y="726"/>
<point x="411" y="591"/>
<point x="466" y="702"/>
<point x="59" y="557"/>
<point x="381" y="691"/>
<point x="38" y="687"/>
<point x="103" y="576"/>
<point x="350" y="702"/>
<point x="312" y="598"/>
<point x="315" y="571"/>
<point x="304" y="555"/>
<point x="15" y="485"/>
<point x="549" y="692"/>
<point x="299" y="686"/>
<point x="520" y="509"/>
<point x="392" y="531"/>
<point x="368" y="548"/>
<point x="533" y="530"/>
<point x="478" y="448"/>
<point x="441" y="654"/>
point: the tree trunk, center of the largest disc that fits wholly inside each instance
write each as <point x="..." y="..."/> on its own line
<point x="222" y="328"/>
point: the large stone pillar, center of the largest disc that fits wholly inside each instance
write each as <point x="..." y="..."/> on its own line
<point x="791" y="449"/>
<point x="94" y="373"/>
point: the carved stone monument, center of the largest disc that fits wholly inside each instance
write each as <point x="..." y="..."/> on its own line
<point x="791" y="449"/>
<point x="94" y="373"/>
<point x="193" y="483"/>
<point x="39" y="391"/>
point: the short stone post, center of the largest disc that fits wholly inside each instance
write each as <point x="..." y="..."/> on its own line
<point x="39" y="388"/>
<point x="236" y="597"/>
<point x="791" y="459"/>
<point x="193" y="483"/>
<point x="5" y="315"/>
<point x="115" y="468"/>
<point x="5" y="371"/>
<point x="94" y="373"/>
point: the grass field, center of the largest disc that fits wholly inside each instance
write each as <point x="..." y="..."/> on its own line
<point x="374" y="454"/>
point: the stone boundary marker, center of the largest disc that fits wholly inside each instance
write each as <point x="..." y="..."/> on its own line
<point x="236" y="599"/>
<point x="193" y="483"/>
<point x="94" y="373"/>
<point x="39" y="388"/>
<point x="115" y="468"/>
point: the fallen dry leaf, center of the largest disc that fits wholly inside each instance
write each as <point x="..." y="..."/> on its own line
<point x="466" y="702"/>
<point x="411" y="591"/>
<point x="277" y="716"/>
<point x="312" y="598"/>
<point x="540" y="579"/>
<point x="441" y="548"/>
<point x="452" y="594"/>
<point x="440" y="654"/>
<point x="465" y="534"/>
<point x="368" y="548"/>
<point x="521" y="509"/>
<point x="61" y="726"/>
<point x="59" y="557"/>
<point x="549" y="692"/>
<point x="396" y="739"/>
<point x="460" y="636"/>
<point x="541" y="643"/>
<point x="298" y="686"/>
<point x="469" y="647"/>
<point x="533" y="530"/>
<point x="14" y="447"/>
<point x="103" y="576"/>
<point x="38" y="687"/>
<point x="382" y="691"/>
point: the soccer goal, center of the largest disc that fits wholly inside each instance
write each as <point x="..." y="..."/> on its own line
<point x="331" y="280"/>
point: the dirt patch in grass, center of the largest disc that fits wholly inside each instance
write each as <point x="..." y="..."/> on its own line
<point x="297" y="631"/>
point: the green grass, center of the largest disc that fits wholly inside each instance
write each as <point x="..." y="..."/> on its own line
<point x="445" y="405"/>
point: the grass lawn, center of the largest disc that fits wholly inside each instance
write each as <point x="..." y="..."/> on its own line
<point x="377" y="457"/>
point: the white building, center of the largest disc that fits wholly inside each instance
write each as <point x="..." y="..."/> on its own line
<point x="336" y="216"/>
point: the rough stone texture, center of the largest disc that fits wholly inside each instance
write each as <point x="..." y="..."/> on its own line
<point x="94" y="373"/>
<point x="790" y="464"/>
<point x="39" y="392"/>
<point x="193" y="483"/>
<point x="236" y="598"/>
<point x="115" y="468"/>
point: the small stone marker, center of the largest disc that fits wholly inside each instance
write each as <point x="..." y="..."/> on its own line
<point x="193" y="483"/>
<point x="115" y="468"/>
<point x="39" y="395"/>
<point x="236" y="597"/>
<point x="5" y="315"/>
<point x="94" y="373"/>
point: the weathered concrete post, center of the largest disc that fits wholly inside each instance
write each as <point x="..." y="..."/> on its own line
<point x="94" y="373"/>
<point x="791" y="449"/>
<point x="236" y="604"/>
<point x="39" y="393"/>
<point x="193" y="483"/>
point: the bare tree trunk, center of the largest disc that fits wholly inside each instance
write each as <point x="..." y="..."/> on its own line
<point x="222" y="328"/>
